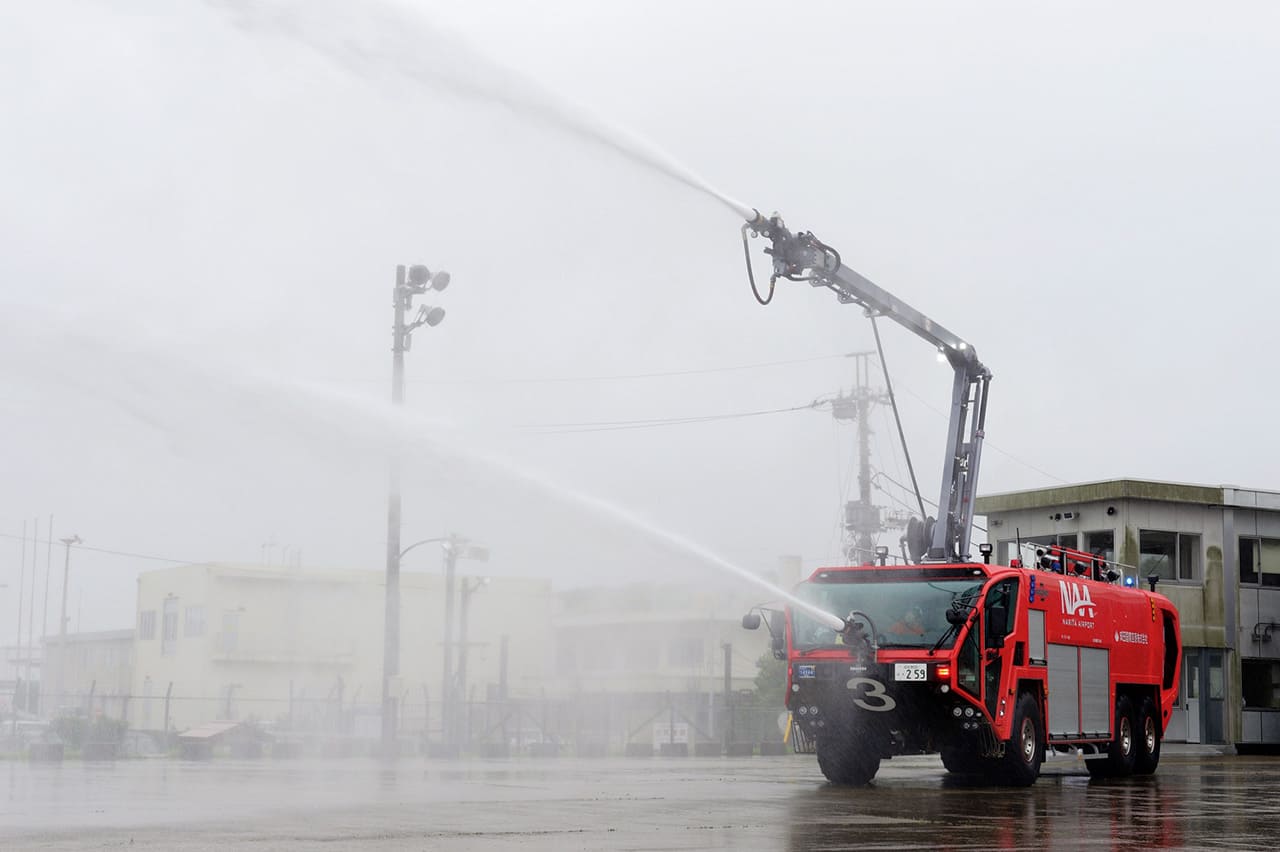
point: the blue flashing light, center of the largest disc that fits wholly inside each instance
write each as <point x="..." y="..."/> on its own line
<point x="1131" y="581"/>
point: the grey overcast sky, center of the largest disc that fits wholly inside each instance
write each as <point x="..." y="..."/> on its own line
<point x="204" y="204"/>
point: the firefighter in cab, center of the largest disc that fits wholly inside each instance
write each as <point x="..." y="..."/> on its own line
<point x="911" y="623"/>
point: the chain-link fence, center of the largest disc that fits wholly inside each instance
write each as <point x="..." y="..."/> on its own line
<point x="587" y="724"/>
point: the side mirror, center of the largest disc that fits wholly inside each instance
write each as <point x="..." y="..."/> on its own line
<point x="779" y="647"/>
<point x="751" y="621"/>
<point x="956" y="617"/>
<point x="997" y="625"/>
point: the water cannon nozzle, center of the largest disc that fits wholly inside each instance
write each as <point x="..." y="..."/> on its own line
<point x="757" y="221"/>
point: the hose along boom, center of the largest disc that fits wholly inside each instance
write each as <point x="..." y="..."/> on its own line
<point x="800" y="256"/>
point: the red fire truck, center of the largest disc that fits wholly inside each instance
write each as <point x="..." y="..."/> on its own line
<point x="991" y="665"/>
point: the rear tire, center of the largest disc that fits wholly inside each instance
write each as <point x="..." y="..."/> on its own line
<point x="1148" y="734"/>
<point x="1123" y="751"/>
<point x="846" y="756"/>
<point x="1024" y="752"/>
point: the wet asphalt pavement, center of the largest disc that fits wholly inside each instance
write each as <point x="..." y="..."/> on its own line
<point x="1197" y="800"/>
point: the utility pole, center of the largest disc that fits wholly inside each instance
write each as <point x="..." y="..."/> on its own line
<point x="503" y="651"/>
<point x="446" y="684"/>
<point x="17" y="645"/>
<point x="391" y="636"/>
<point x="48" y="569"/>
<point x="728" y="696"/>
<point x="44" y="618"/>
<point x="861" y="516"/>
<point x="413" y="281"/>
<point x="62" y="622"/>
<point x="469" y="587"/>
<point x="31" y="611"/>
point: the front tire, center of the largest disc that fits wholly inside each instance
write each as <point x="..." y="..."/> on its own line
<point x="1024" y="752"/>
<point x="1148" y="733"/>
<point x="960" y="760"/>
<point x="846" y="756"/>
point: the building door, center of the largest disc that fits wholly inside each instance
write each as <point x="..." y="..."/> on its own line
<point x="1213" y="695"/>
<point x="1191" y="694"/>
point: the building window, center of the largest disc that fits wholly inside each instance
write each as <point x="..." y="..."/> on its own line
<point x="1188" y="557"/>
<point x="194" y="624"/>
<point x="1260" y="684"/>
<point x="169" y="626"/>
<point x="1101" y="543"/>
<point x="686" y="653"/>
<point x="229" y="640"/>
<point x="640" y="656"/>
<point x="1009" y="549"/>
<point x="147" y="624"/>
<point x="597" y="657"/>
<point x="566" y="659"/>
<point x="1260" y="561"/>
<point x="1169" y="555"/>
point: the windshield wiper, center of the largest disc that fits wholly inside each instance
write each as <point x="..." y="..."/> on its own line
<point x="961" y="618"/>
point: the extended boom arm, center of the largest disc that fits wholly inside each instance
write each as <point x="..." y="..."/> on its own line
<point x="803" y="257"/>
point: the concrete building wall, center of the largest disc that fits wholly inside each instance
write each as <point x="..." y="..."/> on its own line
<point x="89" y="673"/>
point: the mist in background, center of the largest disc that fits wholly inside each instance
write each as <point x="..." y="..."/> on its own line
<point x="204" y="214"/>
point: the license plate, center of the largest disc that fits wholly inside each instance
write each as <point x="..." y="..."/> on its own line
<point x="910" y="671"/>
<point x="806" y="671"/>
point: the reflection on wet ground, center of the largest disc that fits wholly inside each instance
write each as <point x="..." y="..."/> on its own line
<point x="1191" y="803"/>
<point x="1195" y="801"/>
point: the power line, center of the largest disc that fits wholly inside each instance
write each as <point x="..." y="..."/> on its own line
<point x="109" y="552"/>
<point x="534" y="380"/>
<point x="882" y="474"/>
<point x="618" y="425"/>
<point x="987" y="443"/>
<point x="632" y="376"/>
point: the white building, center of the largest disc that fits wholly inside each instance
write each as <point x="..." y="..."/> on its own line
<point x="306" y="647"/>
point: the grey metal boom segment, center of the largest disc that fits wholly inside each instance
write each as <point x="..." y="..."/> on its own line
<point x="803" y="257"/>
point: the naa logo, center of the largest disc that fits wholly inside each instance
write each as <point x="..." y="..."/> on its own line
<point x="1076" y="599"/>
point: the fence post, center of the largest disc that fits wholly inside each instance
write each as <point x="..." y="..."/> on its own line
<point x="728" y="695"/>
<point x="167" y="694"/>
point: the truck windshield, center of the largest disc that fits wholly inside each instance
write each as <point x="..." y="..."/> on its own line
<point x="905" y="613"/>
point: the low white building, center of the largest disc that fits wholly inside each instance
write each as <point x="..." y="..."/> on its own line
<point x="305" y="648"/>
<point x="89" y="673"/>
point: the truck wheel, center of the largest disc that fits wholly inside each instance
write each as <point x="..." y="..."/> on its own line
<point x="1024" y="752"/>
<point x="846" y="757"/>
<point x="960" y="760"/>
<point x="1148" y="734"/>
<point x="1122" y="751"/>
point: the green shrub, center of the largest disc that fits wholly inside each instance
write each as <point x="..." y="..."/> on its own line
<point x="75" y="731"/>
